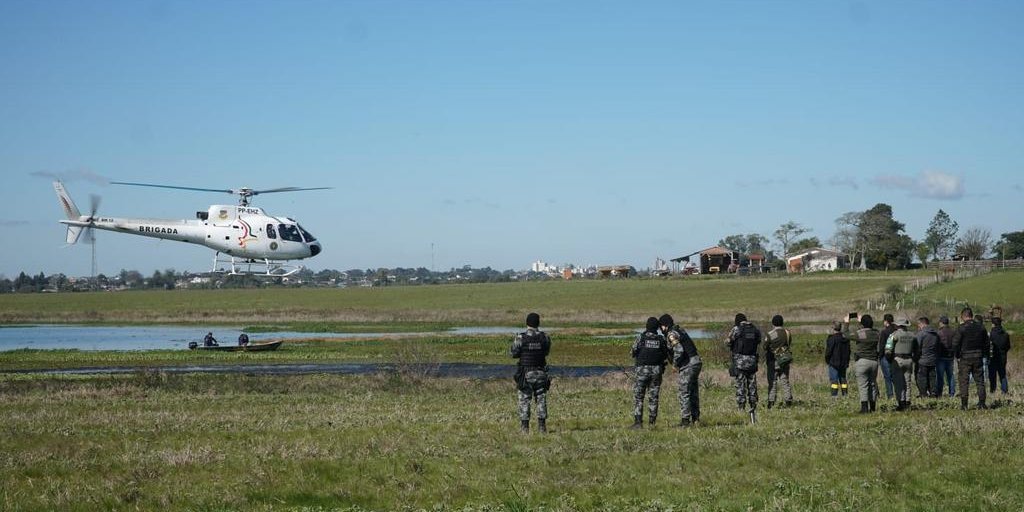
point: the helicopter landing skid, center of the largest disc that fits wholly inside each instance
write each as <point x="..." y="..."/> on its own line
<point x="253" y="267"/>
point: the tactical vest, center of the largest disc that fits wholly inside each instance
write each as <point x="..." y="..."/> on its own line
<point x="746" y="344"/>
<point x="652" y="351"/>
<point x="684" y="339"/>
<point x="867" y="344"/>
<point x="532" y="353"/>
<point x="903" y="343"/>
<point x="973" y="340"/>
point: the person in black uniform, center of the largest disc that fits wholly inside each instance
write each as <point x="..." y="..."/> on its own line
<point x="997" y="363"/>
<point x="531" y="348"/>
<point x="209" y="340"/>
<point x="970" y="346"/>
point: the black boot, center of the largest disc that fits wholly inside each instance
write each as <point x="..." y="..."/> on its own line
<point x="753" y="416"/>
<point x="542" y="426"/>
<point x="651" y="420"/>
<point x="524" y="425"/>
<point x="863" y="408"/>
<point x="684" y="423"/>
<point x="871" y="405"/>
<point x="981" y="404"/>
<point x="963" y="403"/>
<point x="638" y="422"/>
<point x="770" y="404"/>
<point x="789" y="403"/>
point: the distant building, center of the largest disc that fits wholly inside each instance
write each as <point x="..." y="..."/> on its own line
<point x="712" y="260"/>
<point x="814" y="260"/>
<point x="615" y="271"/>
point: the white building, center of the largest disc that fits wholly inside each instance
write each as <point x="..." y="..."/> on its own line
<point x="814" y="260"/>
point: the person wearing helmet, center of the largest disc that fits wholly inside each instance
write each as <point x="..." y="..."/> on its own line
<point x="531" y="348"/>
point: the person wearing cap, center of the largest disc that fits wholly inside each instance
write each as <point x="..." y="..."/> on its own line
<point x="1000" y="340"/>
<point x="778" y="355"/>
<point x="970" y="346"/>
<point x="742" y="344"/>
<point x="884" y="364"/>
<point x="837" y="357"/>
<point x="865" y="365"/>
<point x="928" y="341"/>
<point x="902" y="350"/>
<point x="687" y="362"/>
<point x="651" y="353"/>
<point x="944" y="373"/>
<point x="531" y="348"/>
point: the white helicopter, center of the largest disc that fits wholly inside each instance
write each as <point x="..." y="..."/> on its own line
<point x="248" y="241"/>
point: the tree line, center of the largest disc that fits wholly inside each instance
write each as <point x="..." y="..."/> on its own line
<point x="873" y="239"/>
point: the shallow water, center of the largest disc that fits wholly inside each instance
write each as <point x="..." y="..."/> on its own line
<point x="169" y="337"/>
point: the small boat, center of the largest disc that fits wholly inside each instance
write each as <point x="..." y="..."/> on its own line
<point x="252" y="347"/>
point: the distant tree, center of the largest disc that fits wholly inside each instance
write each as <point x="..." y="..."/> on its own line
<point x="922" y="250"/>
<point x="974" y="243"/>
<point x="804" y="244"/>
<point x="751" y="243"/>
<point x="941" y="235"/>
<point x="884" y="244"/>
<point x="847" y="236"/>
<point x="1010" y="246"/>
<point x="787" y="233"/>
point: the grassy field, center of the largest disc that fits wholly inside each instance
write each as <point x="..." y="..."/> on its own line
<point x="586" y="303"/>
<point x="390" y="442"/>
<point x="405" y="441"/>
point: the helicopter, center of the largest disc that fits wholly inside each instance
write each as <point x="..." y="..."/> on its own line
<point x="247" y="240"/>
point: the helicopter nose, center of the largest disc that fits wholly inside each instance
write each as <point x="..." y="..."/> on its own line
<point x="314" y="249"/>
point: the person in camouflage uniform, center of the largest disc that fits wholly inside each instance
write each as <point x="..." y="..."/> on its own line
<point x="778" y="355"/>
<point x="531" y="348"/>
<point x="687" y="361"/>
<point x="742" y="343"/>
<point x="651" y="353"/>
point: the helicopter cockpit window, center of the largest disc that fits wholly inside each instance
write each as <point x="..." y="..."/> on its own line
<point x="289" y="232"/>
<point x="306" y="234"/>
<point x="271" y="232"/>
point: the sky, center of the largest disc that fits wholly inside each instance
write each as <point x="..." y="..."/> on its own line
<point x="497" y="133"/>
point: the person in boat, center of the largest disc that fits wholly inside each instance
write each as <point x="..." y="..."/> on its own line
<point x="243" y="339"/>
<point x="209" y="340"/>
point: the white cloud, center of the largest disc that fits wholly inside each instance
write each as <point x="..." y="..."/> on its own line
<point x="927" y="184"/>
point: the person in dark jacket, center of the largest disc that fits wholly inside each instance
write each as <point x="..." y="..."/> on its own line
<point x="970" y="346"/>
<point x="651" y="353"/>
<point x="944" y="373"/>
<point x="243" y="339"/>
<point x="928" y="341"/>
<point x="209" y="340"/>
<point x="837" y="357"/>
<point x="1000" y="340"/>
<point x="531" y="348"/>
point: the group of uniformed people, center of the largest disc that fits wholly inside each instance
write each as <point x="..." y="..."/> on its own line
<point x="925" y="357"/>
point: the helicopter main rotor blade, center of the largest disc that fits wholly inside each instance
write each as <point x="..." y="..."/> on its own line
<point x="224" y="190"/>
<point x="288" y="189"/>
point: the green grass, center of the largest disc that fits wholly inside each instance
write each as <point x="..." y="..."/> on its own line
<point x="200" y="442"/>
<point x="614" y="302"/>
<point x="1001" y="288"/>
